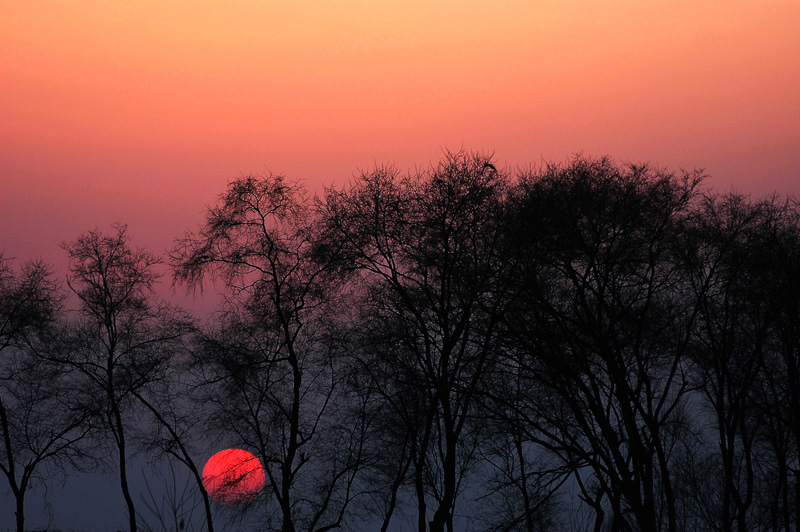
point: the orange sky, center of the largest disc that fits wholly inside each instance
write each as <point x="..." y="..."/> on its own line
<point x="141" y="112"/>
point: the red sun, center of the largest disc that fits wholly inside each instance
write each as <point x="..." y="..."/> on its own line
<point x="233" y="477"/>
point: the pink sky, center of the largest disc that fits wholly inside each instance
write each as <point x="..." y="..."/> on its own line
<point x="141" y="112"/>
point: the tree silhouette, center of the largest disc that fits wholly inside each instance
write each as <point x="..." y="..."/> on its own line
<point x="177" y="426"/>
<point x="271" y="368"/>
<point x="581" y="346"/>
<point x="122" y="340"/>
<point x="426" y="249"/>
<point x="38" y="423"/>
<point x="729" y="344"/>
<point x="602" y="324"/>
<point x="778" y="248"/>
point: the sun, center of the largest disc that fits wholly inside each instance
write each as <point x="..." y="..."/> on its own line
<point x="233" y="477"/>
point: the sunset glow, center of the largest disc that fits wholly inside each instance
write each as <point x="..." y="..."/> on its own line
<point x="141" y="112"/>
<point x="133" y="118"/>
<point x="233" y="477"/>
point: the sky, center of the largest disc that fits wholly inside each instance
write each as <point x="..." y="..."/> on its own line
<point x="142" y="112"/>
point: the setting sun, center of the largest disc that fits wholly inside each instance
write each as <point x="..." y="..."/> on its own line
<point x="443" y="266"/>
<point x="233" y="477"/>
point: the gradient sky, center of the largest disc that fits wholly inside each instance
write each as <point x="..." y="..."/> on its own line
<point x="141" y="112"/>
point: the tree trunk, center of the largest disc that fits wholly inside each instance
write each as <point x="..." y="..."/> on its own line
<point x="442" y="518"/>
<point x="20" y="512"/>
<point x="123" y="472"/>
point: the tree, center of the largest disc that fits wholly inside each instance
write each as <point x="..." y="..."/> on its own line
<point x="741" y="258"/>
<point x="425" y="249"/>
<point x="272" y="377"/>
<point x="778" y="247"/>
<point x="522" y="478"/>
<point x="38" y="425"/>
<point x="724" y="262"/>
<point x="601" y="322"/>
<point x="123" y="337"/>
<point x="176" y="430"/>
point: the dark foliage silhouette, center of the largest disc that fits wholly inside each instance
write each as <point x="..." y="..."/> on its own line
<point x="582" y="346"/>
<point x="601" y="326"/>
<point x="39" y="424"/>
<point x="274" y="384"/>
<point x="425" y="250"/>
<point x="122" y="340"/>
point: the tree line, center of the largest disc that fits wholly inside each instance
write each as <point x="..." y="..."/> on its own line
<point x="581" y="346"/>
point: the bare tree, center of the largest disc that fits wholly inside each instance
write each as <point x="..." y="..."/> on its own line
<point x="602" y="323"/>
<point x="269" y="364"/>
<point x="176" y="430"/>
<point x="123" y="336"/>
<point x="172" y="507"/>
<point x="589" y="346"/>
<point x="425" y="249"/>
<point x="778" y="249"/>
<point x="523" y="478"/>
<point x="728" y="348"/>
<point x="741" y="256"/>
<point x="39" y="426"/>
